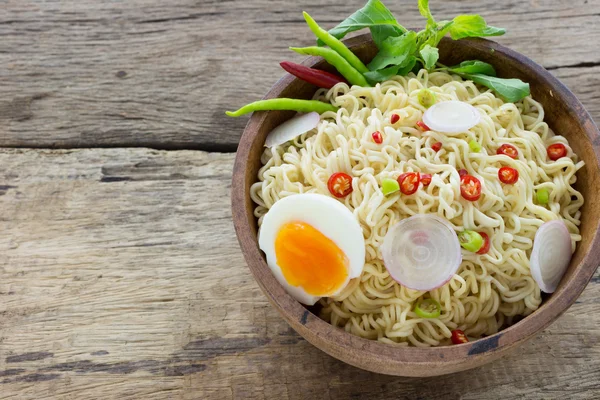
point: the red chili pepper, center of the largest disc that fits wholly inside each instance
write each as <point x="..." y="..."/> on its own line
<point x="470" y="188"/>
<point x="377" y="138"/>
<point x="315" y="76"/>
<point x="459" y="337"/>
<point x="486" y="243"/>
<point x="426" y="179"/>
<point x="508" y="150"/>
<point x="340" y="184"/>
<point x="409" y="182"/>
<point x="508" y="175"/>
<point x="394" y="118"/>
<point x="422" y="126"/>
<point x="462" y="172"/>
<point x="436" y="146"/>
<point x="556" y="151"/>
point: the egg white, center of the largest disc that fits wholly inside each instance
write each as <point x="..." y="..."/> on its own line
<point x="325" y="214"/>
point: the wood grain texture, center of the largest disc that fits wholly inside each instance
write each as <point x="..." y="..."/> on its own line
<point x="122" y="279"/>
<point x="87" y="73"/>
<point x="120" y="273"/>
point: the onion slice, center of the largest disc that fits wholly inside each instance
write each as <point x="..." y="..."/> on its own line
<point x="421" y="252"/>
<point x="451" y="116"/>
<point x="291" y="128"/>
<point x="551" y="254"/>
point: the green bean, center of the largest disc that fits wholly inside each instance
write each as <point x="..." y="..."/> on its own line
<point x="284" y="104"/>
<point x="335" y="44"/>
<point x="337" y="61"/>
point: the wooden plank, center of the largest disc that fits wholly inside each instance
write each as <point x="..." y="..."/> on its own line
<point x="87" y="73"/>
<point x="121" y="278"/>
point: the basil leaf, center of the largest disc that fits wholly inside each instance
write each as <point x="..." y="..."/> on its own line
<point x="387" y="73"/>
<point x="394" y="51"/>
<point x="473" y="67"/>
<point x="430" y="56"/>
<point x="424" y="10"/>
<point x="433" y="34"/>
<point x="443" y="28"/>
<point x="511" y="90"/>
<point x="493" y="31"/>
<point x="374" y="13"/>
<point x="473" y="26"/>
<point x="381" y="32"/>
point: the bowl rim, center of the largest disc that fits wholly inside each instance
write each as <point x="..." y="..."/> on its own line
<point x="381" y="357"/>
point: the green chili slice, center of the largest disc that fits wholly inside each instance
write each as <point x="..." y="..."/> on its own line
<point x="337" y="61"/>
<point x="474" y="146"/>
<point x="389" y="186"/>
<point x="335" y="44"/>
<point x="470" y="240"/>
<point x="543" y="196"/>
<point x="428" y="308"/>
<point x="284" y="104"/>
<point x="426" y="98"/>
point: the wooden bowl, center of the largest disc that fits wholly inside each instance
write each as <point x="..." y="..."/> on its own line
<point x="564" y="114"/>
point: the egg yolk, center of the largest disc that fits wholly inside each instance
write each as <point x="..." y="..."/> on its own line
<point x="309" y="259"/>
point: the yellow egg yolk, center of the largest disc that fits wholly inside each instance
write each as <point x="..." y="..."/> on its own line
<point x="310" y="259"/>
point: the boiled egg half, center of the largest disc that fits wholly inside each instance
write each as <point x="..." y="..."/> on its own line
<point x="314" y="245"/>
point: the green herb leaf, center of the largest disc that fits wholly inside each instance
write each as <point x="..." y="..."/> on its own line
<point x="473" y="67"/>
<point x="424" y="10"/>
<point x="430" y="56"/>
<point x="386" y="73"/>
<point x="443" y="28"/>
<point x="394" y="51"/>
<point x="373" y="14"/>
<point x="473" y="26"/>
<point x="380" y="33"/>
<point x="511" y="90"/>
<point x="433" y="34"/>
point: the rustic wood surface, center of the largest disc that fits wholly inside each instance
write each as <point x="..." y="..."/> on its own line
<point x="120" y="273"/>
<point x="86" y="73"/>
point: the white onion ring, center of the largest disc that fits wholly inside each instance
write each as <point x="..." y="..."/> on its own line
<point x="551" y="255"/>
<point x="291" y="128"/>
<point x="421" y="252"/>
<point x="451" y="117"/>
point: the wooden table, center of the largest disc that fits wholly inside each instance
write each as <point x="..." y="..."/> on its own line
<point x="120" y="273"/>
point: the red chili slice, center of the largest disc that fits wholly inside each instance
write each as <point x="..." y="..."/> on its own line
<point x="459" y="337"/>
<point x="508" y="175"/>
<point x="425" y="179"/>
<point x="422" y="126"/>
<point x="436" y="146"/>
<point x="470" y="188"/>
<point x="394" y="118"/>
<point x="486" y="243"/>
<point x="508" y="150"/>
<point x="409" y="182"/>
<point x="556" y="151"/>
<point x="463" y="172"/>
<point x="340" y="184"/>
<point x="377" y="137"/>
